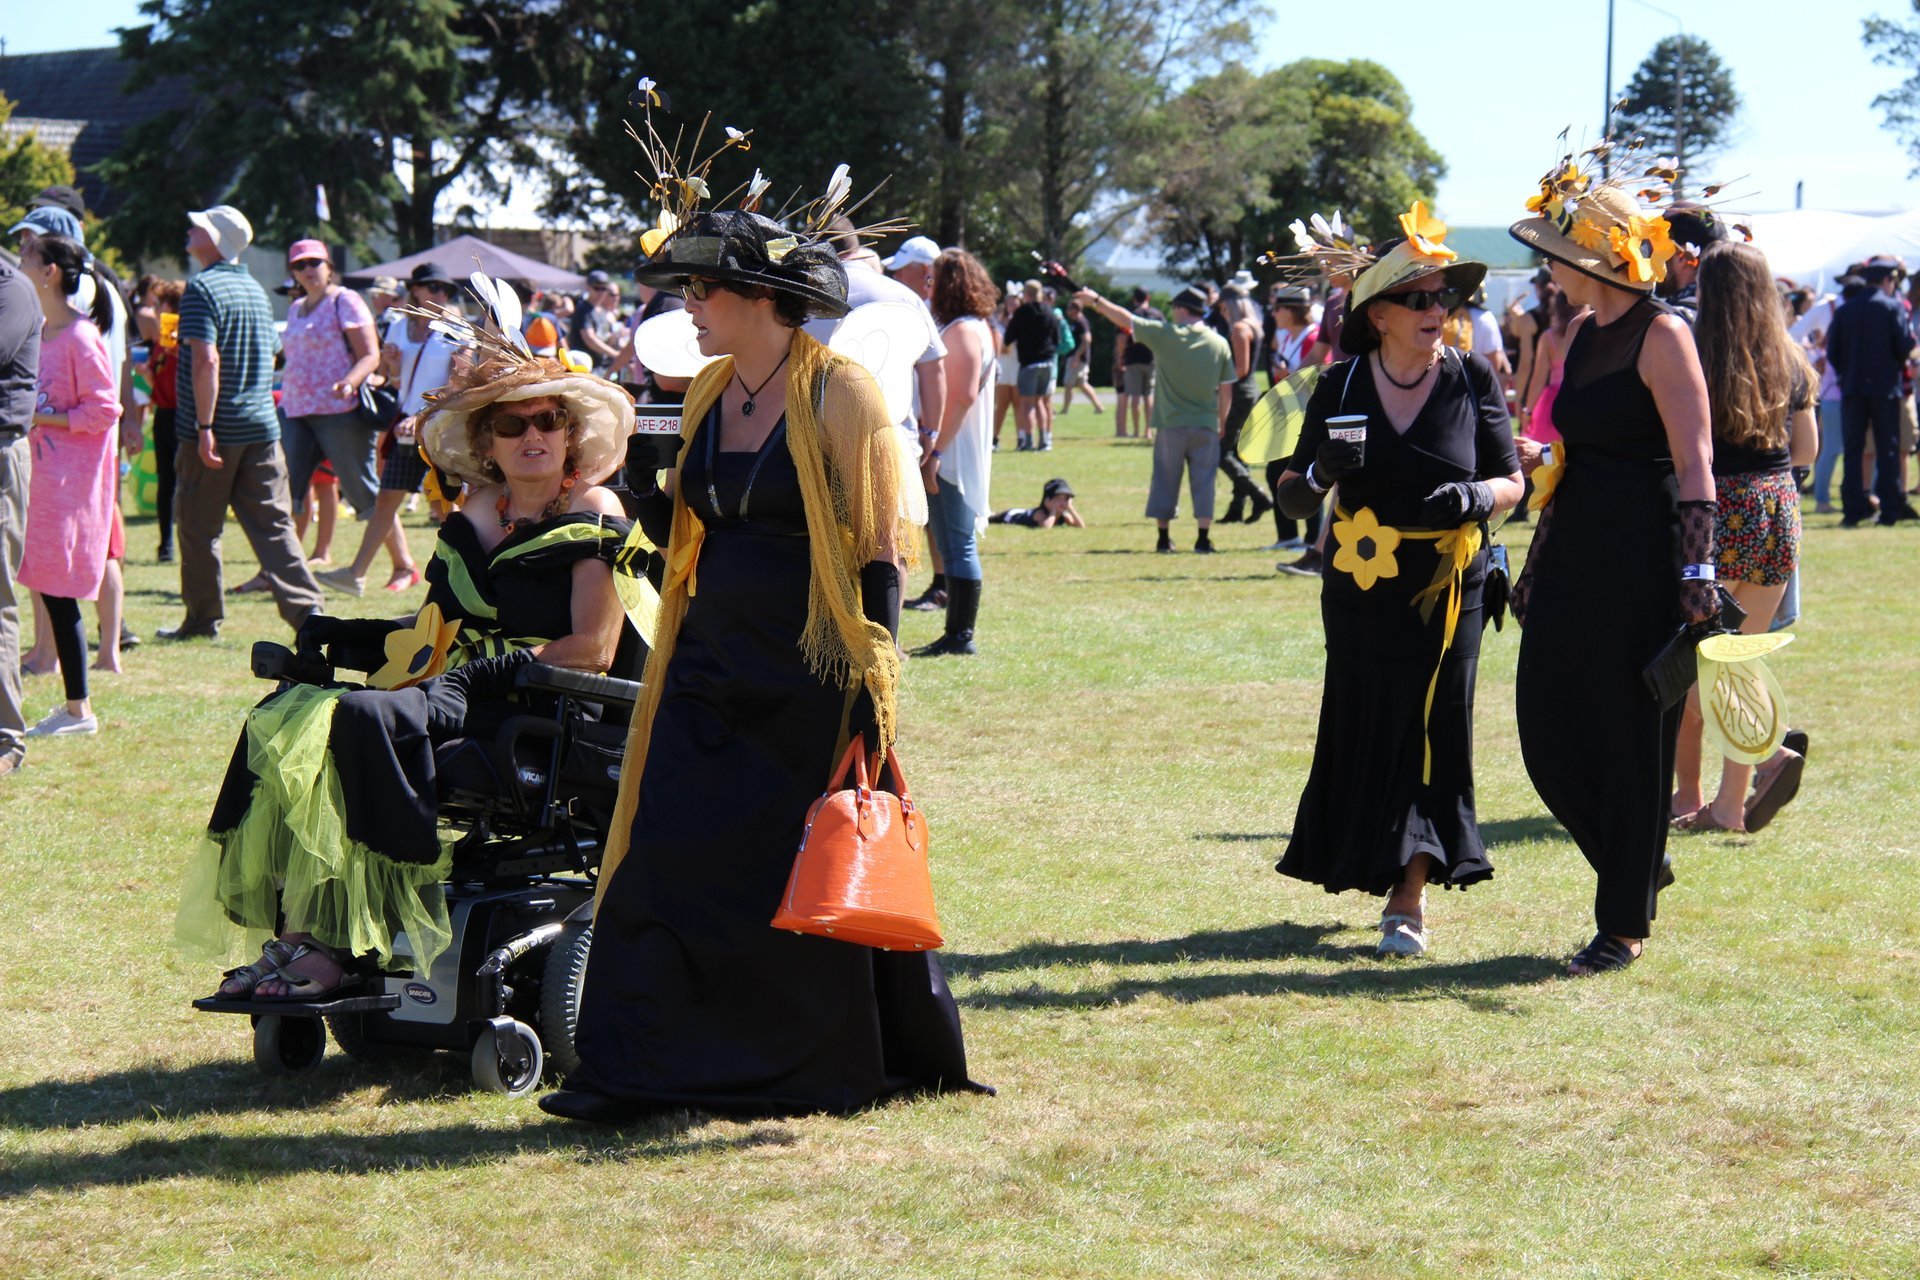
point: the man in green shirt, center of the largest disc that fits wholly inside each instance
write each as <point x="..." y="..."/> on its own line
<point x="227" y="341"/>
<point x="1194" y="379"/>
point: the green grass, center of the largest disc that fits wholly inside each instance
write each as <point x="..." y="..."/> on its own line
<point x="1202" y="1070"/>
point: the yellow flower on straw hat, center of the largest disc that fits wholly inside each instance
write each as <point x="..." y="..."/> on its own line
<point x="1645" y="245"/>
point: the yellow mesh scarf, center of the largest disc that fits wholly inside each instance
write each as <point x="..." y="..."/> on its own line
<point x="847" y="455"/>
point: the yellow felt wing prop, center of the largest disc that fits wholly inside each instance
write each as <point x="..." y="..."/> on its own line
<point x="1272" y="431"/>
<point x="1740" y="698"/>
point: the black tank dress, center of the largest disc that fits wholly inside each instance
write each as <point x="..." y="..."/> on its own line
<point x="691" y="997"/>
<point x="1366" y="811"/>
<point x="1605" y="598"/>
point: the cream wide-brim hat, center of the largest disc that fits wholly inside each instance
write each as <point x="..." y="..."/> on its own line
<point x="602" y="414"/>
<point x="1398" y="265"/>
<point x="1603" y="207"/>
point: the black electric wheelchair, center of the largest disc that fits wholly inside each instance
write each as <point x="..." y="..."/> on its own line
<point x="532" y="806"/>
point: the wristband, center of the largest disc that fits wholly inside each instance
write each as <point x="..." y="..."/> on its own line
<point x="1698" y="573"/>
<point x="935" y="454"/>
<point x="204" y="426"/>
<point x="1312" y="483"/>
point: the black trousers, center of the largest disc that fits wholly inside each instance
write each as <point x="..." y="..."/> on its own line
<point x="1284" y="528"/>
<point x="1881" y="416"/>
<point x="163" y="448"/>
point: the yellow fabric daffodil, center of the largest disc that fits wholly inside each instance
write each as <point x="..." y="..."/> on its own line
<point x="1366" y="547"/>
<point x="653" y="237"/>
<point x="1426" y="233"/>
<point x="1644" y="246"/>
<point x="1590" y="237"/>
<point x="417" y="651"/>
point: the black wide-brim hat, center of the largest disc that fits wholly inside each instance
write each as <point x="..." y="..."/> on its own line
<point x="737" y="247"/>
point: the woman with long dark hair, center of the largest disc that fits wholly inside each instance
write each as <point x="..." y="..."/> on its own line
<point x="1622" y="555"/>
<point x="1760" y="388"/>
<point x="73" y="491"/>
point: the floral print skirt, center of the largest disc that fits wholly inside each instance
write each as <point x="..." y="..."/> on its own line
<point x="1757" y="538"/>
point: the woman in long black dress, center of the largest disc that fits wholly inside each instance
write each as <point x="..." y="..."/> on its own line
<point x="327" y="816"/>
<point x="1388" y="805"/>
<point x="775" y="643"/>
<point x="1622" y="554"/>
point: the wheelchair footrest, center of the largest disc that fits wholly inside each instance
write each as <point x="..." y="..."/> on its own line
<point x="300" y="1008"/>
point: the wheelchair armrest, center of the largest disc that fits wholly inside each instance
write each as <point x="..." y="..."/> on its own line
<point x="580" y="684"/>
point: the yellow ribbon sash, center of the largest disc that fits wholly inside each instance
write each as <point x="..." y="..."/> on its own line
<point x="1456" y="549"/>
<point x="1546" y="477"/>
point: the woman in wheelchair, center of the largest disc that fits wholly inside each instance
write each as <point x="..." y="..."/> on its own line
<point x="324" y="840"/>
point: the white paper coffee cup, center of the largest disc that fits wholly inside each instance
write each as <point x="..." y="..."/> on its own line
<point x="1350" y="427"/>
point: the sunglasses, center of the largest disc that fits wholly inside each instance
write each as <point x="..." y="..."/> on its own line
<point x="511" y="426"/>
<point x="1425" y="299"/>
<point x="700" y="290"/>
<point x="306" y="263"/>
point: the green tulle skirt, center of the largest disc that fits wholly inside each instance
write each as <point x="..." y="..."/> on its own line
<point x="290" y="853"/>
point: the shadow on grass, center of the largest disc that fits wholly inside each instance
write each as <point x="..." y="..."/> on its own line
<point x="1206" y="577"/>
<point x="1521" y="830"/>
<point x="1244" y="837"/>
<point x="1263" y="942"/>
<point x="1473" y="983"/>
<point x="251" y="1158"/>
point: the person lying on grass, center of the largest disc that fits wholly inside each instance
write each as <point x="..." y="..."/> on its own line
<point x="1056" y="509"/>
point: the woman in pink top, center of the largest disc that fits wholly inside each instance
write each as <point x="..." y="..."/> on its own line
<point x="75" y="483"/>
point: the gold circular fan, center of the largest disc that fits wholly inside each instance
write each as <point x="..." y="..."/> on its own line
<point x="1734" y="647"/>
<point x="1743" y="706"/>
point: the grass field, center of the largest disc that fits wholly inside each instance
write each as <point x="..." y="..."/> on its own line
<point x="1202" y="1069"/>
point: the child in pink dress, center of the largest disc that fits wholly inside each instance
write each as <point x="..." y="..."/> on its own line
<point x="71" y="494"/>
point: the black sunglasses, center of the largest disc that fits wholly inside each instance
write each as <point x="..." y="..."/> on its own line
<point x="1424" y="299"/>
<point x="304" y="263"/>
<point x="697" y="289"/>
<point x="511" y="426"/>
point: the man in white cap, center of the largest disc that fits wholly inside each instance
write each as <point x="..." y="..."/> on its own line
<point x="227" y="341"/>
<point x="912" y="265"/>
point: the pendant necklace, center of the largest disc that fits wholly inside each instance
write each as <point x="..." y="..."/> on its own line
<point x="746" y="410"/>
<point x="1418" y="378"/>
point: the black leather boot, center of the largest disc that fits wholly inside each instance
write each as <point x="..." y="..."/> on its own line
<point x="963" y="608"/>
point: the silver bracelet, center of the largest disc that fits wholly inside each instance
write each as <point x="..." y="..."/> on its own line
<point x="1698" y="573"/>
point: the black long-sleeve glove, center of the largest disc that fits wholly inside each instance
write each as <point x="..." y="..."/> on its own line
<point x="1332" y="461"/>
<point x="1457" y="503"/>
<point x="880" y="595"/>
<point x="357" y="644"/>
<point x="483" y="679"/>
<point x="647" y="453"/>
<point x="1699" y="601"/>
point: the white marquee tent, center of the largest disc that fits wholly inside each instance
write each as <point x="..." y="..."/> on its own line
<point x="1813" y="246"/>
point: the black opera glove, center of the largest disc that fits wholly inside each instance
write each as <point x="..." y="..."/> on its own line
<point x="482" y="680"/>
<point x="1457" y="503"/>
<point x="1335" y="460"/>
<point x="648" y="452"/>
<point x="1699" y="598"/>
<point x="880" y="595"/>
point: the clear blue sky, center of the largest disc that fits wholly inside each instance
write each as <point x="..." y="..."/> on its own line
<point x="1493" y="81"/>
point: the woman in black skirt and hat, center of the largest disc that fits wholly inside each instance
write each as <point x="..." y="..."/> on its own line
<point x="776" y="641"/>
<point x="1623" y="552"/>
<point x="1388" y="805"/>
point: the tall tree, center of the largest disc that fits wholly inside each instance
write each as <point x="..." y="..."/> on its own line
<point x="1078" y="98"/>
<point x="1344" y="139"/>
<point x="386" y="106"/>
<point x="27" y="167"/>
<point x="1682" y="101"/>
<point x="1897" y="44"/>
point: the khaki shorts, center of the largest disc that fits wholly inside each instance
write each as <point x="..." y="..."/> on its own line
<point x="1906" y="424"/>
<point x="1137" y="380"/>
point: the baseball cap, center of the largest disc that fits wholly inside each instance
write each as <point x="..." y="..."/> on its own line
<point x="303" y="249"/>
<point x="231" y="231"/>
<point x="50" y="221"/>
<point x="599" y="279"/>
<point x="1056" y="488"/>
<point x="917" y="251"/>
<point x="62" y="196"/>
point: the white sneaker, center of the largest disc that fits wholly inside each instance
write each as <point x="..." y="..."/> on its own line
<point x="60" y="723"/>
<point x="342" y="580"/>
<point x="1402" y="936"/>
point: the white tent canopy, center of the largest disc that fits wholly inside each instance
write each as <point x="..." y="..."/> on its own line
<point x="1813" y="246"/>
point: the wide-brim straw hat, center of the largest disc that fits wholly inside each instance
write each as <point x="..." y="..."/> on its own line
<point x="1581" y="237"/>
<point x="602" y="414"/>
<point x="1404" y="262"/>
<point x="737" y="247"/>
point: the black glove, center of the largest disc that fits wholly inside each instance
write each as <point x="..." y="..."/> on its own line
<point x="358" y="635"/>
<point x="1336" y="460"/>
<point x="1457" y="503"/>
<point x="648" y="452"/>
<point x="880" y="595"/>
<point x="482" y="680"/>
<point x="1699" y="599"/>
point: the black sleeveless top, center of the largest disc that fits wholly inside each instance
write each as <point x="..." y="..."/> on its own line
<point x="1603" y="405"/>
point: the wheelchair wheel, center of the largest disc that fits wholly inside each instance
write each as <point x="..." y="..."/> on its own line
<point x="350" y="1033"/>
<point x="284" y="1045"/>
<point x="507" y="1058"/>
<point x="560" y="986"/>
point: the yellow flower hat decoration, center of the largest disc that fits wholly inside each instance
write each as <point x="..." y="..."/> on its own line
<point x="1644" y="246"/>
<point x="417" y="651"/>
<point x="1366" y="548"/>
<point x="1426" y="233"/>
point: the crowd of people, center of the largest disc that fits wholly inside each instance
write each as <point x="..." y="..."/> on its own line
<point x="1671" y="399"/>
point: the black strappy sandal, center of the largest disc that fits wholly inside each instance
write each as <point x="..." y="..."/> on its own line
<point x="1604" y="954"/>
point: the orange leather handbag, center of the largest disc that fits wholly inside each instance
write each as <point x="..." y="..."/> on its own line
<point x="861" y="874"/>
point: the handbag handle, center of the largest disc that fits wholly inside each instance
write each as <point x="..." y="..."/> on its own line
<point x="855" y="762"/>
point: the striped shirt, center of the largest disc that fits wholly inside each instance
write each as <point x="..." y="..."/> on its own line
<point x="226" y="306"/>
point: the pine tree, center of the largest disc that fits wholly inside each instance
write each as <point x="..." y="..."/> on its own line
<point x="1682" y="101"/>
